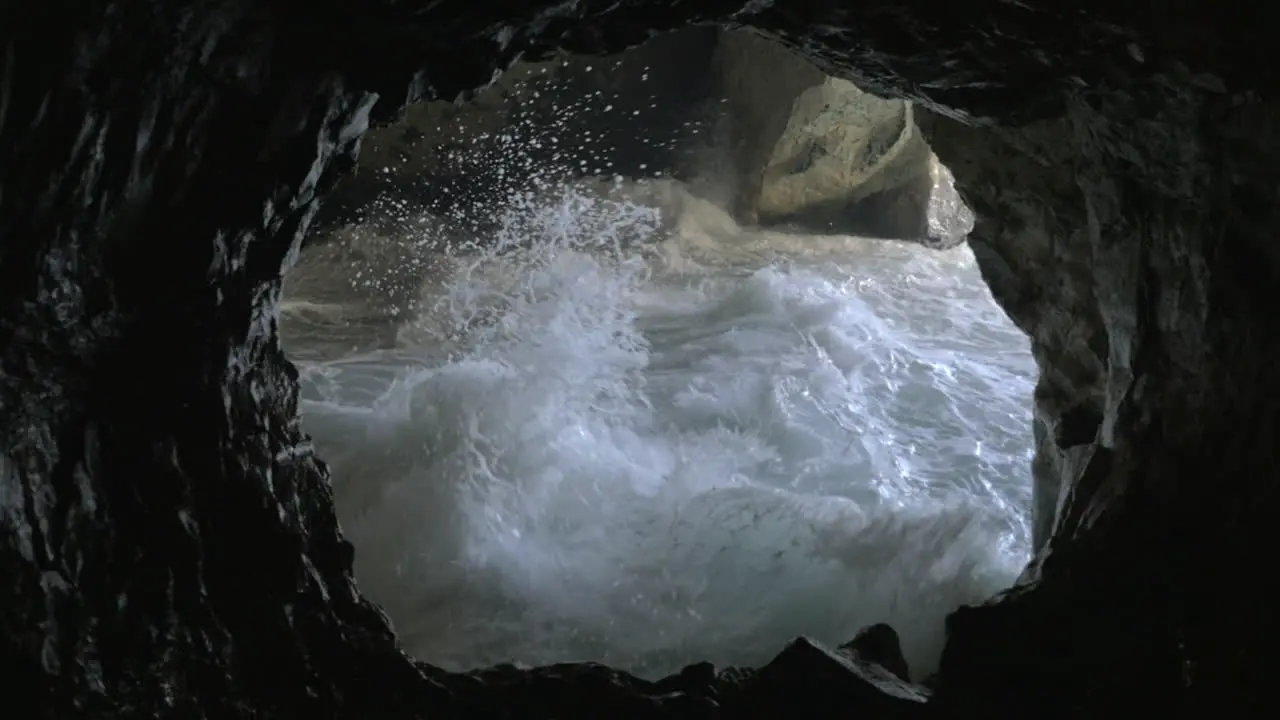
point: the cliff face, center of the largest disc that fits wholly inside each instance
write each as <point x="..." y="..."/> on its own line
<point x="167" y="534"/>
<point x="814" y="151"/>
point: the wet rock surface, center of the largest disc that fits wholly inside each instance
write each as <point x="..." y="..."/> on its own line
<point x="167" y="534"/>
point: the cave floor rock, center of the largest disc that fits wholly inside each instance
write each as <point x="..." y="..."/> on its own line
<point x="806" y="680"/>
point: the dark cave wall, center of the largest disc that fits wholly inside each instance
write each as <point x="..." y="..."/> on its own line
<point x="168" y="542"/>
<point x="1132" y="240"/>
<point x="168" y="534"/>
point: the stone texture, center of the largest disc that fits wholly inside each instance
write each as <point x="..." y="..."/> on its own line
<point x="809" y="680"/>
<point x="167" y="535"/>
<point x="1130" y="237"/>
<point x="879" y="644"/>
<point x="815" y="152"/>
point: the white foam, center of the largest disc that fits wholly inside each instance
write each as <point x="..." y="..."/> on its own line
<point x="622" y="463"/>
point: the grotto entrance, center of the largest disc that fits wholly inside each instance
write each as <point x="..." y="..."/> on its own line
<point x="169" y="539"/>
<point x="658" y="358"/>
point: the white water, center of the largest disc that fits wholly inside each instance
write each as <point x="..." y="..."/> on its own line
<point x="571" y="450"/>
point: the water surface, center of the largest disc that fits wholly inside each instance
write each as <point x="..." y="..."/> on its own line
<point x="629" y="431"/>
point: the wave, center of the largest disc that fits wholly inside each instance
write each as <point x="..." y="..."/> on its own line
<point x="648" y="437"/>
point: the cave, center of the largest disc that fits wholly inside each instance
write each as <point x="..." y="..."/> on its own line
<point x="169" y="528"/>
<point x="578" y="405"/>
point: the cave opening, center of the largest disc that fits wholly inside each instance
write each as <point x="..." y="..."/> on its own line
<point x="657" y="358"/>
<point x="169" y="536"/>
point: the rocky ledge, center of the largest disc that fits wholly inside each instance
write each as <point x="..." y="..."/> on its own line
<point x="167" y="533"/>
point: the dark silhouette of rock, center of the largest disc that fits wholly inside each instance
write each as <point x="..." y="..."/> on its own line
<point x="810" y="681"/>
<point x="167" y="535"/>
<point x="751" y="122"/>
<point x="879" y="644"/>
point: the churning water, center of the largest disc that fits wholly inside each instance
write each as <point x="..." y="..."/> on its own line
<point x="623" y="429"/>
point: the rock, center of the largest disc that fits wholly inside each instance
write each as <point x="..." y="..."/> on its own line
<point x="814" y="151"/>
<point x="1091" y="233"/>
<point x="805" y="680"/>
<point x="879" y="644"/>
<point x="809" y="681"/>
<point x="950" y="220"/>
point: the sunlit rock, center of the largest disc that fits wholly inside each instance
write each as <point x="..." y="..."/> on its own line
<point x="816" y="152"/>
